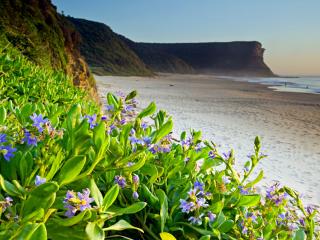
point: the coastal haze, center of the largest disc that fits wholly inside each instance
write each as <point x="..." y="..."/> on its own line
<point x="231" y="112"/>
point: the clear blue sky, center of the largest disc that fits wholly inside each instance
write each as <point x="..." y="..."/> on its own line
<point x="288" y="29"/>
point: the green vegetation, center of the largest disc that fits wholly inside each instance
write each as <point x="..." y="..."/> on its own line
<point x="70" y="171"/>
<point x="105" y="52"/>
<point x="44" y="37"/>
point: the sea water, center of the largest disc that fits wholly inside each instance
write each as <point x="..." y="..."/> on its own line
<point x="296" y="84"/>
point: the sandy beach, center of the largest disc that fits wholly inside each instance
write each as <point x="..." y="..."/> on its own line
<point x="232" y="113"/>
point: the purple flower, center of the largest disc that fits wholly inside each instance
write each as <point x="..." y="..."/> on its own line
<point x="198" y="185"/>
<point x="29" y="139"/>
<point x="310" y="209"/>
<point x="226" y="156"/>
<point x="135" y="179"/>
<point x="186" y="206"/>
<point x="186" y="143"/>
<point x="7" y="152"/>
<point x="251" y="217"/>
<point x="121" y="181"/>
<point x="91" y="120"/>
<point x="120" y="94"/>
<point x="38" y="121"/>
<point x="282" y="216"/>
<point x="130" y="164"/>
<point x="104" y="117"/>
<point x="109" y="108"/>
<point x="198" y="147"/>
<point x="201" y="202"/>
<point x="144" y="125"/>
<point x="244" y="229"/>
<point x="302" y="222"/>
<point x="243" y="191"/>
<point x="77" y="202"/>
<point x="6" y="203"/>
<point x="3" y="137"/>
<point x="39" y="180"/>
<point x="135" y="195"/>
<point x="211" y="216"/>
<point x="225" y="180"/>
<point x="212" y="154"/>
<point x="196" y="220"/>
<point x="147" y="140"/>
<point x="123" y="121"/>
<point x="111" y="128"/>
<point x="85" y="199"/>
<point x="128" y="108"/>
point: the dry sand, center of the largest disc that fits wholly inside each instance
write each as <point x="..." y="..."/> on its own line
<point x="232" y="113"/>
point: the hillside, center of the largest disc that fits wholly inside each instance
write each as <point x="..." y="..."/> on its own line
<point x="45" y="37"/>
<point x="105" y="52"/>
<point x="109" y="53"/>
<point x="230" y="58"/>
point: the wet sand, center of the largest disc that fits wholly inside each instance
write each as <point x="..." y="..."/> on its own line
<point x="232" y="113"/>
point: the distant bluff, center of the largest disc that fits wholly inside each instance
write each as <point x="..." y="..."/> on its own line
<point x="45" y="37"/>
<point x="109" y="53"/>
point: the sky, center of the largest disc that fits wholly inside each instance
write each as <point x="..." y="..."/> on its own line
<point x="289" y="30"/>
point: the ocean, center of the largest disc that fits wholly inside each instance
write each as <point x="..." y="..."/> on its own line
<point x="298" y="84"/>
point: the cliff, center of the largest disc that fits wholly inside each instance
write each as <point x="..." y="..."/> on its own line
<point x="45" y="37"/>
<point x="105" y="52"/>
<point x="231" y="58"/>
<point x="109" y="53"/>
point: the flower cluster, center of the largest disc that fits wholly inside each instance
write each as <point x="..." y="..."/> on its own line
<point x="4" y="204"/>
<point x="77" y="202"/>
<point x="164" y="146"/>
<point x="38" y="121"/>
<point x="92" y="120"/>
<point x="121" y="181"/>
<point x="195" y="203"/>
<point x="6" y="150"/>
<point x="274" y="195"/>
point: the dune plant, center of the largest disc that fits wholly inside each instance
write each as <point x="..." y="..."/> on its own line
<point x="70" y="169"/>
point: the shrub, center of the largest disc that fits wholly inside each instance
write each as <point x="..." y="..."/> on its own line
<point x="68" y="170"/>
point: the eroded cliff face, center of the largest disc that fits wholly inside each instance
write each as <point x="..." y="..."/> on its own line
<point x="45" y="37"/>
<point x="232" y="58"/>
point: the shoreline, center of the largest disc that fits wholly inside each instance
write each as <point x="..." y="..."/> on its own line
<point x="232" y="113"/>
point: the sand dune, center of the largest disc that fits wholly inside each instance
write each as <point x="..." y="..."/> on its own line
<point x="232" y="113"/>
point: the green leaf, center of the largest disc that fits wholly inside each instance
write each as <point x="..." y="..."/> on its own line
<point x="163" y="207"/>
<point x="249" y="200"/>
<point x="111" y="99"/>
<point x="151" y="198"/>
<point x="110" y="197"/>
<point x="45" y="189"/>
<point x="67" y="222"/>
<point x="148" y="110"/>
<point x="166" y="236"/>
<point x="226" y="226"/>
<point x="131" y="95"/>
<point x="134" y="208"/>
<point x="94" y="232"/>
<point x="95" y="192"/>
<point x="121" y="225"/>
<point x="99" y="135"/>
<point x="163" y="131"/>
<point x="9" y="187"/>
<point x="40" y="233"/>
<point x="71" y="169"/>
<point x="3" y="115"/>
<point x="255" y="181"/>
<point x="34" y="216"/>
<point x="299" y="235"/>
